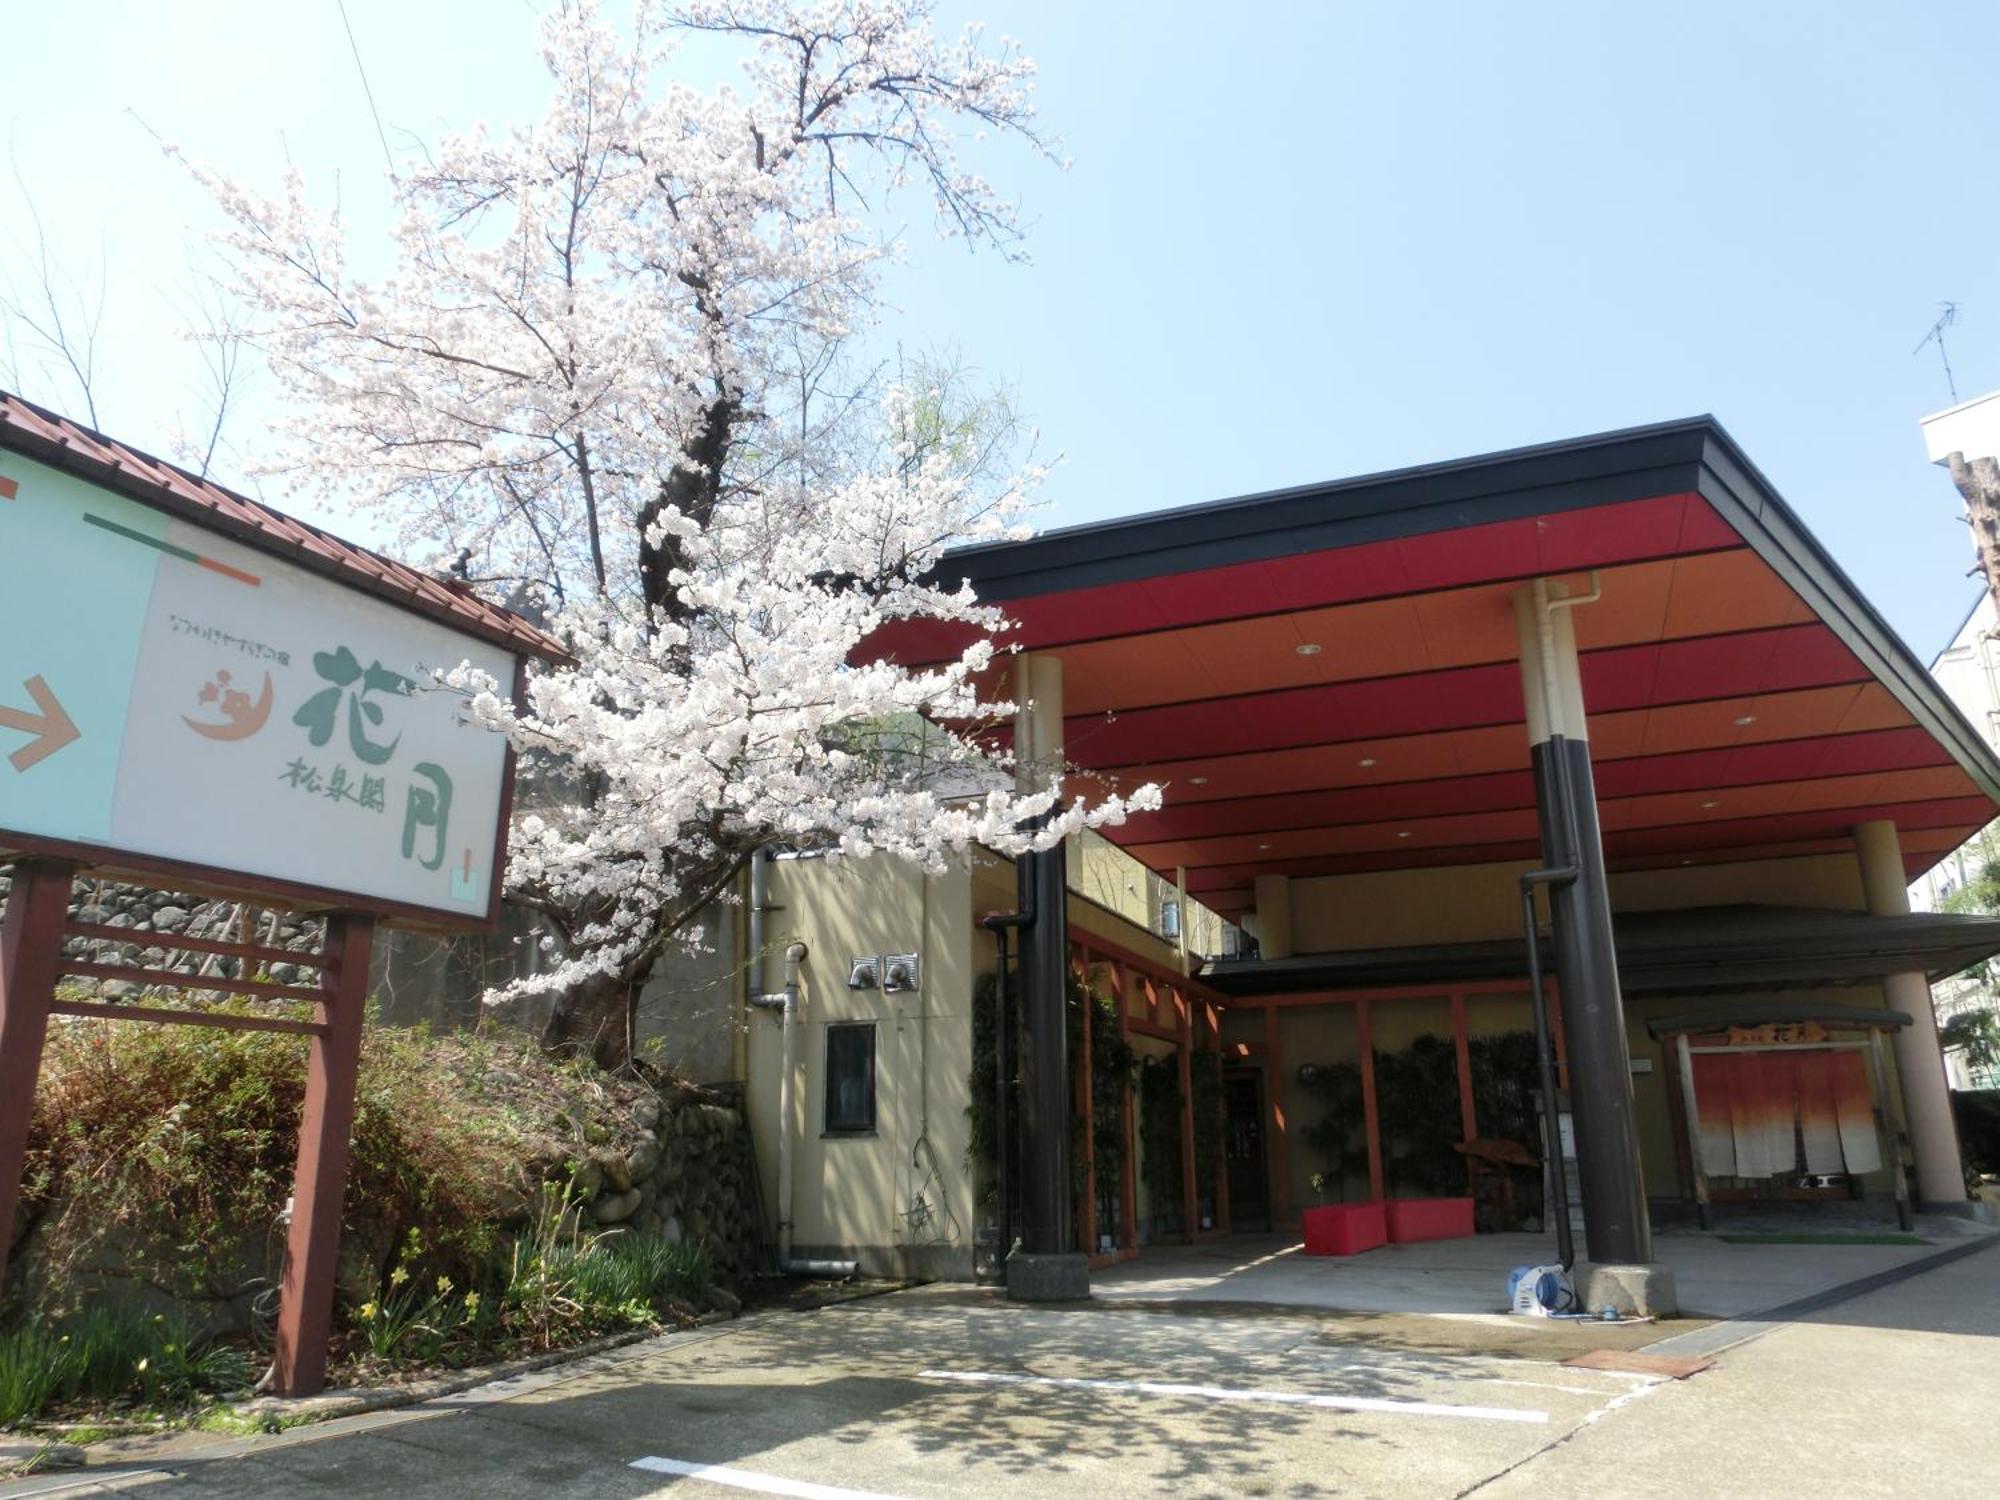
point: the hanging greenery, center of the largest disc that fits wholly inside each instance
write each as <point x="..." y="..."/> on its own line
<point x="1416" y="1105"/>
<point x="1113" y="1063"/>
<point x="981" y="1143"/>
<point x="1340" y="1135"/>
<point x="1205" y="1075"/>
<point x="1160" y="1138"/>
<point x="1417" y="1111"/>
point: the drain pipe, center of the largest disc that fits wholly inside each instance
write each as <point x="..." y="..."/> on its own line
<point x="1538" y="1003"/>
<point x="786" y="1003"/>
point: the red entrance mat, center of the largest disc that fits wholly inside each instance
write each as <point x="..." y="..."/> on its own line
<point x="1666" y="1366"/>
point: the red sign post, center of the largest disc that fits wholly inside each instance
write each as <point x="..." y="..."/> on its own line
<point x="215" y="695"/>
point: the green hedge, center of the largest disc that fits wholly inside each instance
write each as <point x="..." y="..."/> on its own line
<point x="1978" y="1114"/>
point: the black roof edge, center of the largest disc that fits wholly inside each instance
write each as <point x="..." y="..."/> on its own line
<point x="1744" y="498"/>
<point x="1691" y="454"/>
<point x="1575" y="474"/>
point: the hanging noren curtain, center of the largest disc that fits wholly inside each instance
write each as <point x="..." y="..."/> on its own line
<point x="1760" y="1111"/>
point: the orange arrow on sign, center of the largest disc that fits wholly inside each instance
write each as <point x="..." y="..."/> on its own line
<point x="52" y="728"/>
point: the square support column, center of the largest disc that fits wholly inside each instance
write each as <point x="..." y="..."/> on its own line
<point x="1274" y="916"/>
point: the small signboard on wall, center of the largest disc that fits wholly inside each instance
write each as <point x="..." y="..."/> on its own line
<point x="168" y="693"/>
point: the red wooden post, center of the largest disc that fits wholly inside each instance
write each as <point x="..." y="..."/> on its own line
<point x="1278" y="1150"/>
<point x="1364" y="1037"/>
<point x="1213" y="1019"/>
<point x="312" y="1249"/>
<point x="1086" y="1108"/>
<point x="1185" y="1041"/>
<point x="30" y="953"/>
<point x="1468" y="1122"/>
<point x="1128" y="1229"/>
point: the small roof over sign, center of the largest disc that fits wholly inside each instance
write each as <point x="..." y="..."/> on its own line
<point x="1747" y="1013"/>
<point x="55" y="440"/>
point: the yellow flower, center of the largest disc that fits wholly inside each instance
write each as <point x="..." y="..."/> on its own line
<point x="444" y="1286"/>
<point x="398" y="1276"/>
<point x="368" y="1311"/>
<point x="471" y="1303"/>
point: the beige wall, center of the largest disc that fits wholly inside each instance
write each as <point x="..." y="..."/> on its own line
<point x="853" y="1194"/>
<point x="1106" y="875"/>
<point x="1477" y="903"/>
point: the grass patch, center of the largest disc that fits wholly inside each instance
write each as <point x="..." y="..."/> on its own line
<point x="1829" y="1237"/>
<point x="113" y="1355"/>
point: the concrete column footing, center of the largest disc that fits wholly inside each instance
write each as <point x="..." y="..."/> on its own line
<point x="1048" y="1278"/>
<point x="1634" y="1291"/>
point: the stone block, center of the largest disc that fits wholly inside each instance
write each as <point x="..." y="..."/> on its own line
<point x="1047" y="1278"/>
<point x="1633" y="1291"/>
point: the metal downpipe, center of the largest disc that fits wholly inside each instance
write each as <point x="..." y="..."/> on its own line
<point x="786" y="1003"/>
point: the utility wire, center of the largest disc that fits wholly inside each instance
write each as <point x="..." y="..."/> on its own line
<point x="355" y="47"/>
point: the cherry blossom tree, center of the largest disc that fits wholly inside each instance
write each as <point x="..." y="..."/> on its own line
<point x="589" y="372"/>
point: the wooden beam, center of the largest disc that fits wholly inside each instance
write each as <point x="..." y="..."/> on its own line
<point x="1468" y="1123"/>
<point x="91" y="1010"/>
<point x="126" y="937"/>
<point x="172" y="979"/>
<point x="1697" y="1172"/>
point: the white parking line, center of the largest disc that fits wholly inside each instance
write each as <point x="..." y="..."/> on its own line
<point x="1226" y="1393"/>
<point x="762" y="1484"/>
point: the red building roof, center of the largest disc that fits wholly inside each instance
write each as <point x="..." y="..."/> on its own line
<point x="1327" y="678"/>
<point x="62" y="444"/>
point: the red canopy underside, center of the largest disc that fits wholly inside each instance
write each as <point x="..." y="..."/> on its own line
<point x="1727" y="720"/>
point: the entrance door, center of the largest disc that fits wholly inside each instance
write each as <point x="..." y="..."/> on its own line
<point x="1249" y="1176"/>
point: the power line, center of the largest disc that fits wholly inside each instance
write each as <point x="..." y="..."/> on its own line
<point x="355" y="48"/>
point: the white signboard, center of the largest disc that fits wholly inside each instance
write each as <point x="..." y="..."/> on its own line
<point x="167" y="692"/>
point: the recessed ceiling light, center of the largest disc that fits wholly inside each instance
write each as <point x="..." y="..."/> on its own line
<point x="1745" y="720"/>
<point x="1365" y="762"/>
<point x="1307" y="648"/>
<point x="1197" y="781"/>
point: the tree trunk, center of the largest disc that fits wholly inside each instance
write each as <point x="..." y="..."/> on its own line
<point x="598" y="1017"/>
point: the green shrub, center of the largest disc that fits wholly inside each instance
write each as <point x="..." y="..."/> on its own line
<point x="181" y="1141"/>
<point x="110" y="1353"/>
<point x="1978" y="1114"/>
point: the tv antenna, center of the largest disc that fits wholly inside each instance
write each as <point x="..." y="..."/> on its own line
<point x="1946" y="317"/>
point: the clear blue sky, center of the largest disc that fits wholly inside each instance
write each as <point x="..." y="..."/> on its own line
<point x="1297" y="241"/>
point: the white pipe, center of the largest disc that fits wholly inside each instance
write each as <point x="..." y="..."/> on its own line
<point x="787" y="1004"/>
<point x="1545" y="639"/>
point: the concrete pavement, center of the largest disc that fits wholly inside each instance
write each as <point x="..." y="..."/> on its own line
<point x="1716" y="1277"/>
<point x="951" y="1392"/>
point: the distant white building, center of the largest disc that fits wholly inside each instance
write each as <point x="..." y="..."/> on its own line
<point x="1969" y="672"/>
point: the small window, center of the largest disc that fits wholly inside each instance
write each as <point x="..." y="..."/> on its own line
<point x="850" y="1079"/>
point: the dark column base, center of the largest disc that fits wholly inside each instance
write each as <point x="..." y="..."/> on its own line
<point x="1048" y="1278"/>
